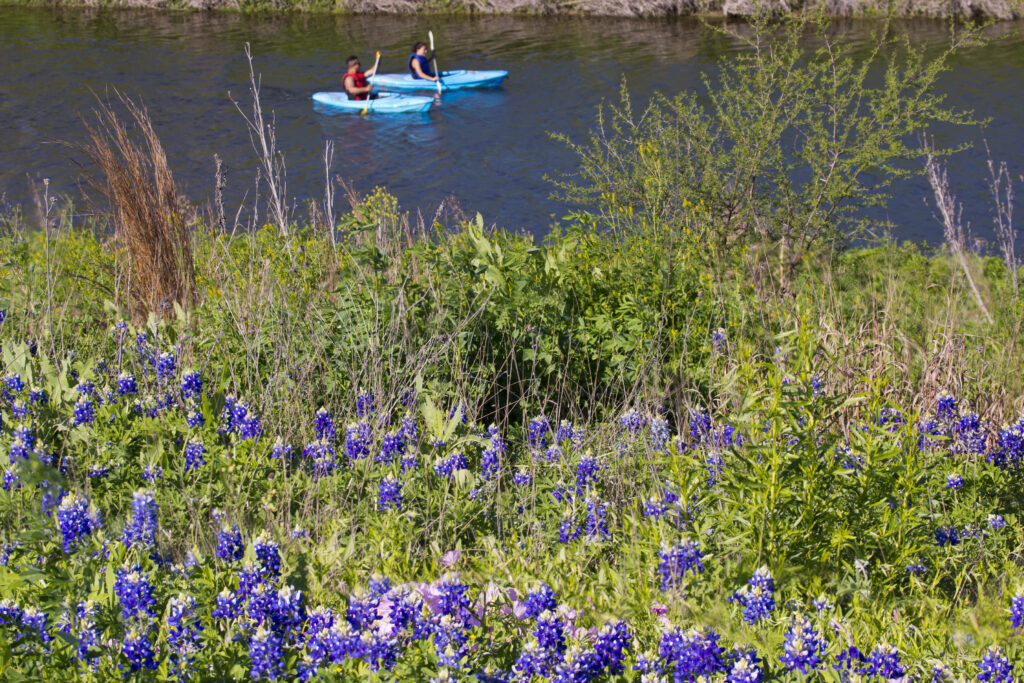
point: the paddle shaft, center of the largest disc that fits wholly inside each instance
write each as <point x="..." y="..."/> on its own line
<point x="368" y="95"/>
<point x="436" y="72"/>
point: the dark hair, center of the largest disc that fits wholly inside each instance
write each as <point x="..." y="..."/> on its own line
<point x="417" y="46"/>
<point x="351" y="60"/>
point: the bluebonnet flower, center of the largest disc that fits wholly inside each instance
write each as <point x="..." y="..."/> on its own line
<point x="884" y="662"/>
<point x="453" y="598"/>
<point x="358" y="438"/>
<point x="718" y="340"/>
<point x="267" y="555"/>
<point x="946" y="409"/>
<point x="550" y="632"/>
<point x="596" y="526"/>
<point x="362" y="610"/>
<point x="632" y="422"/>
<point x="995" y="667"/>
<point x="20" y="410"/>
<point x="390" y="494"/>
<point x="10" y="613"/>
<point x="490" y="460"/>
<point x="538" y="433"/>
<point x="183" y="633"/>
<point x="195" y="419"/>
<point x="576" y="666"/>
<point x="757" y="597"/>
<point x="566" y="432"/>
<point x="447" y="466"/>
<point x="409" y="429"/>
<point x="230" y="547"/>
<point x="567" y="529"/>
<point x="83" y="626"/>
<point x="126" y="385"/>
<point x="135" y="593"/>
<point x="99" y="471"/>
<point x="947" y="536"/>
<point x="138" y="650"/>
<point x="34" y="619"/>
<point x="86" y="388"/>
<point x="691" y="654"/>
<point x="1008" y="450"/>
<point x="14" y="383"/>
<point x="1017" y="610"/>
<point x="803" y="647"/>
<point x="391" y="446"/>
<point x="248" y="422"/>
<point x="3" y="316"/>
<point x="22" y="441"/>
<point x="321" y="454"/>
<point x="954" y="481"/>
<point x="166" y="365"/>
<point x="941" y="674"/>
<point x="745" y="667"/>
<point x="229" y="605"/>
<point x="299" y="533"/>
<point x="324" y="425"/>
<point x="11" y="480"/>
<point x="194" y="452"/>
<point x="522" y="477"/>
<point x="676" y="561"/>
<point x="552" y="453"/>
<point x="84" y="412"/>
<point x="586" y="473"/>
<point x="266" y="655"/>
<point x="611" y="645"/>
<point x="76" y="520"/>
<point x="533" y="661"/>
<point x="140" y="529"/>
<point x="969" y="434"/>
<point x="996" y="522"/>
<point x="659" y="434"/>
<point x="700" y="427"/>
<point x="191" y="385"/>
<point x="890" y="418"/>
<point x="152" y="472"/>
<point x="364" y="404"/>
<point x="916" y="568"/>
<point x="538" y="600"/>
<point x="281" y="450"/>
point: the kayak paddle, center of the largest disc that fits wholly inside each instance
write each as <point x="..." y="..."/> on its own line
<point x="436" y="72"/>
<point x="369" y="94"/>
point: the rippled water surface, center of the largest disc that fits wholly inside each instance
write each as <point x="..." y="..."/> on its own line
<point x="489" y="149"/>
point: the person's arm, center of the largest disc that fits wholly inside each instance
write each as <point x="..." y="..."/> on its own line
<point x="419" y="71"/>
<point x="369" y="72"/>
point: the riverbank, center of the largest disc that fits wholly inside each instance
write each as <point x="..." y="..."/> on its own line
<point x="1002" y="10"/>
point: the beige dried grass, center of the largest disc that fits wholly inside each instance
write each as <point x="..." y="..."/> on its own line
<point x="145" y="208"/>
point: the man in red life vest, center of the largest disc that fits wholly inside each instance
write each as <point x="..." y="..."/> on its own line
<point x="354" y="80"/>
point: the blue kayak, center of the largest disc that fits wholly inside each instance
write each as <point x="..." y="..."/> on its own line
<point x="383" y="103"/>
<point x="450" y="80"/>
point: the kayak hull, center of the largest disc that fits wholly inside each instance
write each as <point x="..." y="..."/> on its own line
<point x="384" y="103"/>
<point x="450" y="80"/>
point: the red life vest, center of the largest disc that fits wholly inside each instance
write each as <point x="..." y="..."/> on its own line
<point x="359" y="81"/>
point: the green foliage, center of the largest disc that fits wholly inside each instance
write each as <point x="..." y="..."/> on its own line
<point x="781" y="152"/>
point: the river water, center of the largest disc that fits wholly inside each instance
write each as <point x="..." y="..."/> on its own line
<point x="486" y="150"/>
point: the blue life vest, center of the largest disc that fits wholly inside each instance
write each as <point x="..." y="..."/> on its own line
<point x="424" y="64"/>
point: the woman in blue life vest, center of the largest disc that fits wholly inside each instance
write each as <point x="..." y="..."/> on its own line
<point x="354" y="80"/>
<point x="419" y="65"/>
